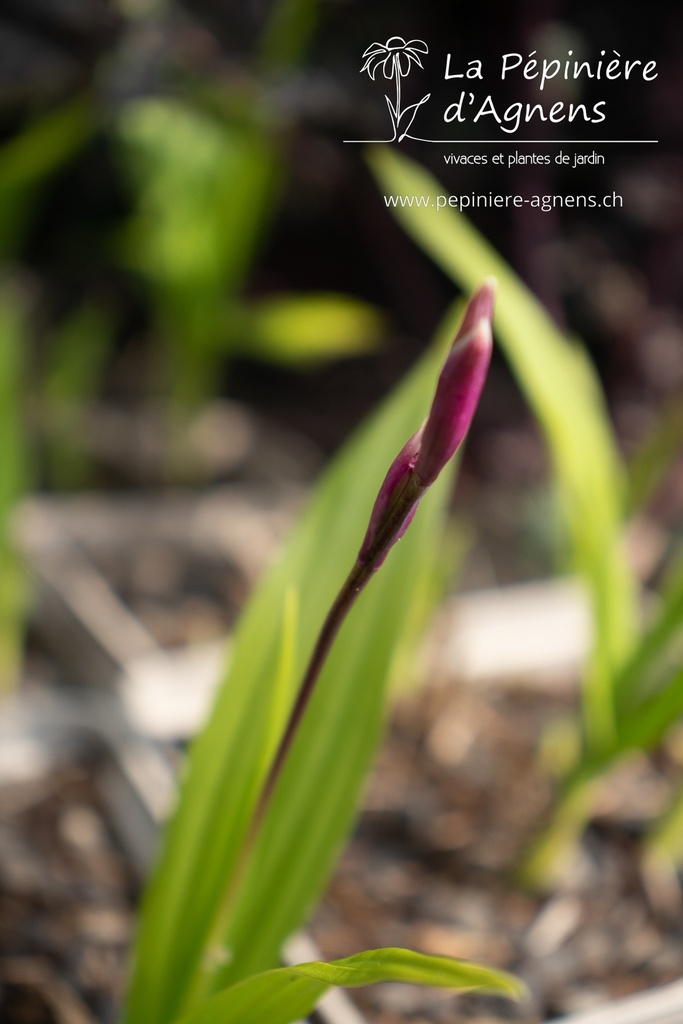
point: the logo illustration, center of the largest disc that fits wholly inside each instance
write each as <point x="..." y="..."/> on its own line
<point x="396" y="58"/>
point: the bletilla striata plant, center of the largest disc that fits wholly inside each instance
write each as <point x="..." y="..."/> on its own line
<point x="409" y="477"/>
<point x="240" y="887"/>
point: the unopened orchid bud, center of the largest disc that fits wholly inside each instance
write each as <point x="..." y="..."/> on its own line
<point x="456" y="399"/>
<point x="392" y="487"/>
<point x="480" y="307"/>
<point x="413" y="470"/>
<point x="420" y="461"/>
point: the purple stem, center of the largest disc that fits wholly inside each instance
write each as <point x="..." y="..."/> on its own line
<point x="359" y="576"/>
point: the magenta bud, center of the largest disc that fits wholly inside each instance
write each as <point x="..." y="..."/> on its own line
<point x="399" y="471"/>
<point x="421" y="460"/>
<point x="457" y="395"/>
<point x="480" y="307"/>
<point x="458" y="389"/>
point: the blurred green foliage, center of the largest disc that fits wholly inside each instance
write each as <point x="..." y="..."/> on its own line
<point x="204" y="169"/>
<point x="203" y="191"/>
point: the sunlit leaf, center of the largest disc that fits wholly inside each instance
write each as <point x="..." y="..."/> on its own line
<point x="13" y="476"/>
<point x="661" y="447"/>
<point x="284" y="995"/>
<point x="305" y="329"/>
<point x="653" y="651"/>
<point x="643" y="727"/>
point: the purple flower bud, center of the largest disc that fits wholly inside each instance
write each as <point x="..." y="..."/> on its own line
<point x="457" y="396"/>
<point x="480" y="307"/>
<point x="399" y="472"/>
<point x="421" y="460"/>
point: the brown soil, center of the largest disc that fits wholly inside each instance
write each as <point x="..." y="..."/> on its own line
<point x="455" y="798"/>
<point x="67" y="899"/>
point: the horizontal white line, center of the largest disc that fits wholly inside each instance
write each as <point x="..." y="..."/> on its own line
<point x="517" y="142"/>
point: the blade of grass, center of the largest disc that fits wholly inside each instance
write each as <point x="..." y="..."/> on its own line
<point x="284" y="681"/>
<point x="30" y="157"/>
<point x="643" y="727"/>
<point x="640" y="728"/>
<point x="656" y="454"/>
<point x="289" y="993"/>
<point x="545" y="862"/>
<point x="328" y="763"/>
<point x="655" y="645"/>
<point x="663" y="848"/>
<point x="13" y="478"/>
<point x="563" y="391"/>
<point x="302" y="835"/>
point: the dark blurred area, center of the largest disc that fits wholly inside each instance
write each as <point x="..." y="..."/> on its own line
<point x="180" y="210"/>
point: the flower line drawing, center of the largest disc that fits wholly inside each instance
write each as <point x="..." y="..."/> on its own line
<point x="396" y="58"/>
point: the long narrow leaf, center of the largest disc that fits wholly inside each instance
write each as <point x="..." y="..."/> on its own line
<point x="13" y="477"/>
<point x="653" y="459"/>
<point x="644" y="727"/>
<point x="655" y="645"/>
<point x="315" y="800"/>
<point x="562" y="389"/>
<point x="284" y="995"/>
<point x="28" y="160"/>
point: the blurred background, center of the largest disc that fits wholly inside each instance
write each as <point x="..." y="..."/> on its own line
<point x="201" y="287"/>
<point x="191" y="255"/>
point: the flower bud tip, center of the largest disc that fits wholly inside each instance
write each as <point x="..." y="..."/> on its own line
<point x="421" y="460"/>
<point x="480" y="306"/>
<point x="457" y="396"/>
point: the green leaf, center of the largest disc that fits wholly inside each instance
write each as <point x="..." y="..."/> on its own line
<point x="663" y="850"/>
<point x="29" y="158"/>
<point x="643" y="727"/>
<point x="189" y="902"/>
<point x="14" y="473"/>
<point x="635" y="680"/>
<point x="306" y="329"/>
<point x="284" y="995"/>
<point x="561" y="386"/>
<point x="653" y="459"/>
